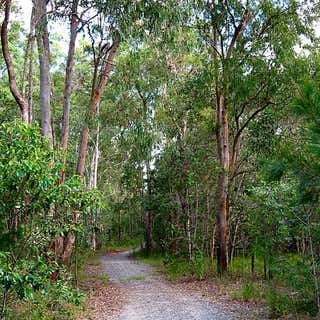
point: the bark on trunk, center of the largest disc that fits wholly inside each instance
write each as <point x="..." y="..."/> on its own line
<point x="30" y="77"/>
<point x="188" y="230"/>
<point x="93" y="241"/>
<point x="22" y="103"/>
<point x="221" y="56"/>
<point x="119" y="225"/>
<point x="222" y="205"/>
<point x="67" y="250"/>
<point x="93" y="180"/>
<point x="149" y="232"/>
<point x="95" y="100"/>
<point x="234" y="241"/>
<point x="69" y="242"/>
<point x="149" y="215"/>
<point x="67" y="84"/>
<point x="44" y="62"/>
<point x="70" y="238"/>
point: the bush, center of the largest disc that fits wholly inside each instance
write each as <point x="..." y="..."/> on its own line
<point x="34" y="207"/>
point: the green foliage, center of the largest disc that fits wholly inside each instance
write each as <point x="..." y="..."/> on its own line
<point x="124" y="244"/>
<point x="28" y="281"/>
<point x="28" y="167"/>
<point x="279" y="304"/>
<point x="249" y="291"/>
<point x="261" y="134"/>
<point x="33" y="208"/>
<point x="200" y="265"/>
<point x="176" y="268"/>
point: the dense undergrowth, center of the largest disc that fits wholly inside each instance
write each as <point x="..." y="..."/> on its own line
<point x="36" y="211"/>
<point x="29" y="293"/>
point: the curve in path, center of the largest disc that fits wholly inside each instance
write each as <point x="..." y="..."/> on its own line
<point x="151" y="298"/>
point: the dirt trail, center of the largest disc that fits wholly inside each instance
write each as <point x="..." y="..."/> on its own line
<point x="152" y="298"/>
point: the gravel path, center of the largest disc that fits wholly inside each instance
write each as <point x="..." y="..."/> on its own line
<point x="151" y="298"/>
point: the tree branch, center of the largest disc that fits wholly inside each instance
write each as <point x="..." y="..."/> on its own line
<point x="253" y="98"/>
<point x="231" y="14"/>
<point x="237" y="32"/>
<point x="239" y="132"/>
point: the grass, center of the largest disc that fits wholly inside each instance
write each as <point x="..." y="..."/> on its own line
<point x="241" y="267"/>
<point x="154" y="260"/>
<point x="172" y="268"/>
<point x="87" y="259"/>
<point x="176" y="268"/>
<point x="102" y="278"/>
<point x="250" y="291"/>
<point x="94" y="261"/>
<point x="136" y="278"/>
<point x="123" y="245"/>
<point x="50" y="306"/>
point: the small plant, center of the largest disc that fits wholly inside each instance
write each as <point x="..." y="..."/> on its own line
<point x="279" y="304"/>
<point x="94" y="262"/>
<point x="103" y="278"/>
<point x="200" y="265"/>
<point x="249" y="291"/>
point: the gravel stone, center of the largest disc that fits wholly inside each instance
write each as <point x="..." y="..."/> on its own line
<point x="152" y="298"/>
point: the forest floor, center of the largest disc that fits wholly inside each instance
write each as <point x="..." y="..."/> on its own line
<point x="125" y="289"/>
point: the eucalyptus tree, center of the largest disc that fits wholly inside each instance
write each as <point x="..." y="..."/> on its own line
<point x="17" y="94"/>
<point x="248" y="45"/>
<point x="158" y="108"/>
<point x="181" y="118"/>
<point x="8" y="104"/>
<point x="74" y="23"/>
<point x="116" y="22"/>
<point x="41" y="28"/>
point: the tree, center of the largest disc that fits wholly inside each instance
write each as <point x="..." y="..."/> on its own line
<point x="249" y="44"/>
<point x="40" y="15"/>
<point x="74" y="23"/>
<point x="22" y="103"/>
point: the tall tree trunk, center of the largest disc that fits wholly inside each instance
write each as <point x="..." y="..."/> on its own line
<point x="119" y="225"/>
<point x="67" y="84"/>
<point x="234" y="241"/>
<point x="149" y="215"/>
<point x="188" y="226"/>
<point x="221" y="57"/>
<point x="93" y="180"/>
<point x="63" y="245"/>
<point x="188" y="231"/>
<point x="149" y="232"/>
<point x="69" y="243"/>
<point x="31" y="53"/>
<point x="22" y="103"/>
<point x="95" y="100"/>
<point x="222" y="205"/>
<point x="44" y="62"/>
